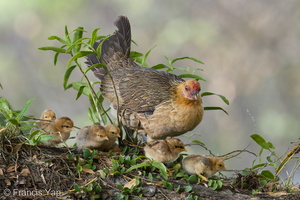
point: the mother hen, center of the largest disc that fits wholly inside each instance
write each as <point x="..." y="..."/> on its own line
<point x="156" y="103"/>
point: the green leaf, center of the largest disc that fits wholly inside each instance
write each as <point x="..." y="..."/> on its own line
<point x="161" y="167"/>
<point x="5" y="108"/>
<point x="94" y="36"/>
<point x="135" y="54"/>
<point x="159" y="66"/>
<point x="21" y="114"/>
<point x="77" y="188"/>
<point x="267" y="174"/>
<point x="78" y="85"/>
<point x="67" y="36"/>
<point x="79" y="54"/>
<point x="215" y="108"/>
<point x="188" y="188"/>
<point x="58" y="39"/>
<point x="1" y="86"/>
<point x="168" y="185"/>
<point x="55" y="49"/>
<point x="259" y="165"/>
<point x="186" y="57"/>
<point x="194" y="76"/>
<point x="77" y="35"/>
<point x="140" y="165"/>
<point x="146" y="56"/>
<point x="55" y="58"/>
<point x="271" y="146"/>
<point x="260" y="141"/>
<point x="67" y="76"/>
<point x="192" y="178"/>
<point x="198" y="142"/>
<point x="80" y="91"/>
<point x="221" y="96"/>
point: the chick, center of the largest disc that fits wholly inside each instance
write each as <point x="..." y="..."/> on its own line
<point x="46" y="118"/>
<point x="113" y="132"/>
<point x="61" y="129"/>
<point x="202" y="166"/>
<point x="91" y="137"/>
<point x="164" y="150"/>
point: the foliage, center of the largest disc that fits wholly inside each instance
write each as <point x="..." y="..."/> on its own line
<point x="15" y="125"/>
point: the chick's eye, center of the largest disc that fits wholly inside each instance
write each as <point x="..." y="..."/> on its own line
<point x="112" y="133"/>
<point x="220" y="165"/>
<point x="179" y="147"/>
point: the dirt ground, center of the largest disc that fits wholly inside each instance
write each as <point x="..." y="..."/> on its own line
<point x="37" y="172"/>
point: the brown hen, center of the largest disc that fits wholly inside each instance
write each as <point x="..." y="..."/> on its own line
<point x="156" y="103"/>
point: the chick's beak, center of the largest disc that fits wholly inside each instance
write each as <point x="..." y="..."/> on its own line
<point x="106" y="138"/>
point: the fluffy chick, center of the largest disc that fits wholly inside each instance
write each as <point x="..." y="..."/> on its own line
<point x="164" y="150"/>
<point x="61" y="129"/>
<point x="48" y="115"/>
<point x="91" y="137"/>
<point x="113" y="132"/>
<point x="202" y="166"/>
<point x="156" y="103"/>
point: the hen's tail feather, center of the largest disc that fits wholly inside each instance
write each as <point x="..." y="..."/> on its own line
<point x="118" y="43"/>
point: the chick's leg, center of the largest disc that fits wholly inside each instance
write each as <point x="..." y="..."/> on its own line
<point x="202" y="177"/>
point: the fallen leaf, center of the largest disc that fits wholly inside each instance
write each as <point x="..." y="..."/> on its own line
<point x="25" y="172"/>
<point x="130" y="184"/>
<point x="88" y="170"/>
<point x="12" y="168"/>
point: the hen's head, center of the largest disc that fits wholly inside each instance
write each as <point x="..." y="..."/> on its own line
<point x="190" y="89"/>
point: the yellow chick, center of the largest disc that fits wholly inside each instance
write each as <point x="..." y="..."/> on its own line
<point x="91" y="137"/>
<point x="202" y="166"/>
<point x="61" y="129"/>
<point x="48" y="115"/>
<point x="113" y="132"/>
<point x="164" y="151"/>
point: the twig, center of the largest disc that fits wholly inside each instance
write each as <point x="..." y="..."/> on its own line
<point x="48" y="120"/>
<point x="287" y="158"/>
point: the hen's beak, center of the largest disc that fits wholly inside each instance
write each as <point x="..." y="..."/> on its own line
<point x="195" y="95"/>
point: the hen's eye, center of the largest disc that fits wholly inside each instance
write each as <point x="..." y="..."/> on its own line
<point x="186" y="88"/>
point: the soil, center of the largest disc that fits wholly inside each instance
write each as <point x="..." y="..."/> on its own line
<point x="38" y="172"/>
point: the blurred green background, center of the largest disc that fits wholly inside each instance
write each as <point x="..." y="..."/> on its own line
<point x="250" y="50"/>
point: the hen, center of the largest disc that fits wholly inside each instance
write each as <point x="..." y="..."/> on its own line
<point x="156" y="103"/>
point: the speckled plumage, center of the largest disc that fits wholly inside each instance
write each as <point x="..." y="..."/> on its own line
<point x="157" y="103"/>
